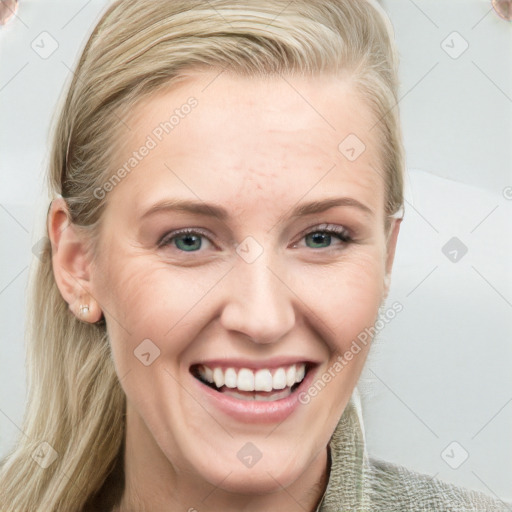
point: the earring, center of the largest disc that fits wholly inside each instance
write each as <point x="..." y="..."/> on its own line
<point x="84" y="309"/>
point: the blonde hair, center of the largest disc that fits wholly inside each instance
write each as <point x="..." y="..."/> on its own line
<point x="75" y="400"/>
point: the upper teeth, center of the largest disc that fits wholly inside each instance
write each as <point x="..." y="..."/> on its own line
<point x="245" y="379"/>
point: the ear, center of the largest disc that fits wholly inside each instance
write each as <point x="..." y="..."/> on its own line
<point x="71" y="263"/>
<point x="390" y="252"/>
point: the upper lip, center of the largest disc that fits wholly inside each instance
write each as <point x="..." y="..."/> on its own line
<point x="275" y="362"/>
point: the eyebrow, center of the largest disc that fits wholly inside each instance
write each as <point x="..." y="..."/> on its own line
<point x="218" y="212"/>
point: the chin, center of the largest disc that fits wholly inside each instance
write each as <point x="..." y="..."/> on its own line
<point x="264" y="477"/>
<point x="257" y="482"/>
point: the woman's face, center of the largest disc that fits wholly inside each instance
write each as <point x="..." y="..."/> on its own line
<point x="258" y="291"/>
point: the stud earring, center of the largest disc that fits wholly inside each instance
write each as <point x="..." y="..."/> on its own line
<point x="84" y="310"/>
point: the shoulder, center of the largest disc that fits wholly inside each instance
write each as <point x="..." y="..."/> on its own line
<point x="394" y="487"/>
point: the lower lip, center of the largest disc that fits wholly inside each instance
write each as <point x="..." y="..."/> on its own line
<point x="253" y="411"/>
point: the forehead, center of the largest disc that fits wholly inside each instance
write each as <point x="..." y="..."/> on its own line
<point x="252" y="139"/>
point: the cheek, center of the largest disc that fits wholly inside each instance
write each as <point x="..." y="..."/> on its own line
<point x="147" y="299"/>
<point x="346" y="297"/>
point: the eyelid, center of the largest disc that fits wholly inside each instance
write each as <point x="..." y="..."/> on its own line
<point x="325" y="226"/>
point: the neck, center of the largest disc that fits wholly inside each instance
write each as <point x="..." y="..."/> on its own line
<point x="153" y="483"/>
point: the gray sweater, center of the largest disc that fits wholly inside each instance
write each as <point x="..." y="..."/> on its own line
<point x="359" y="483"/>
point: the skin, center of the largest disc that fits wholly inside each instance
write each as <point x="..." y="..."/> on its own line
<point x="258" y="148"/>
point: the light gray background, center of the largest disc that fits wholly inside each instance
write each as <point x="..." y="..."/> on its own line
<point x="440" y="371"/>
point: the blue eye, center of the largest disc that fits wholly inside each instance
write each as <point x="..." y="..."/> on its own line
<point x="187" y="240"/>
<point x="191" y="240"/>
<point x="321" y="236"/>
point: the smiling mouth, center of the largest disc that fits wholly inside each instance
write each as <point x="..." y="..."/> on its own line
<point x="264" y="384"/>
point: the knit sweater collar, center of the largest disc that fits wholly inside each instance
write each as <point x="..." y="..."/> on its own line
<point x="345" y="486"/>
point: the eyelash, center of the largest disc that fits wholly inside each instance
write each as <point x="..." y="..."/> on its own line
<point x="339" y="232"/>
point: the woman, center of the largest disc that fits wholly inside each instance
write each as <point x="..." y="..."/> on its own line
<point x="226" y="183"/>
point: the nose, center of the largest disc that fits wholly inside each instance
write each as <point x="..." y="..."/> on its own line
<point x="260" y="302"/>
